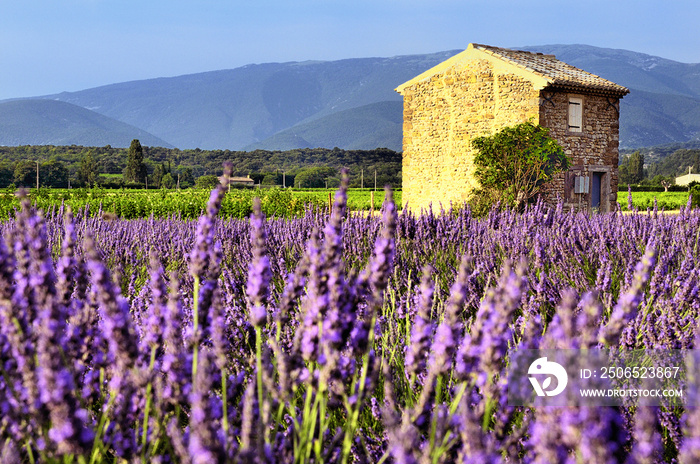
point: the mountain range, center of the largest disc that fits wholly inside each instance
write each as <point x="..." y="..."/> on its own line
<point x="348" y="104"/>
<point x="52" y="122"/>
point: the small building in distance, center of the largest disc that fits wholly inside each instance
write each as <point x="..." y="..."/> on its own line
<point x="240" y="181"/>
<point x="484" y="89"/>
<point x="688" y="178"/>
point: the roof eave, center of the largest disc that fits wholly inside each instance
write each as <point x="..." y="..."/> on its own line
<point x="603" y="92"/>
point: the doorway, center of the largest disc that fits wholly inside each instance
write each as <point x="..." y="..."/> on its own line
<point x="597" y="183"/>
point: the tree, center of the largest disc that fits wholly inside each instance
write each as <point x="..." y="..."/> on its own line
<point x="54" y="173"/>
<point x="207" y="182"/>
<point x="186" y="179"/>
<point x="314" y="177"/>
<point x="7" y="174"/>
<point x="157" y="175"/>
<point x="635" y="170"/>
<point x="167" y="181"/>
<point x="269" y="179"/>
<point x="513" y="164"/>
<point x="695" y="193"/>
<point x="135" y="167"/>
<point x="623" y="170"/>
<point x="25" y="173"/>
<point x="88" y="170"/>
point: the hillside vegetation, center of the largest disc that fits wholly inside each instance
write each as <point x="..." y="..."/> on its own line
<point x="317" y="167"/>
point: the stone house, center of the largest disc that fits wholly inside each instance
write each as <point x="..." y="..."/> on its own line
<point x="239" y="181"/>
<point x="483" y="89"/>
<point x="242" y="181"/>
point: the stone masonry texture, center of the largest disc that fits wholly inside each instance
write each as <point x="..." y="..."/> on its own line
<point x="446" y="110"/>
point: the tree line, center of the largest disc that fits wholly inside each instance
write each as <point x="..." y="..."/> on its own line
<point x="156" y="167"/>
<point x="634" y="170"/>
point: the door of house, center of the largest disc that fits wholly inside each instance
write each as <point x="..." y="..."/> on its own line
<point x="596" y="189"/>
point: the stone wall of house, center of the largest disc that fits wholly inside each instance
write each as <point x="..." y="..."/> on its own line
<point x="443" y="114"/>
<point x="594" y="149"/>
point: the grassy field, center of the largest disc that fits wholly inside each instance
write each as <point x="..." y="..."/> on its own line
<point x="190" y="203"/>
<point x="131" y="204"/>
<point x="358" y="199"/>
<point x="644" y="200"/>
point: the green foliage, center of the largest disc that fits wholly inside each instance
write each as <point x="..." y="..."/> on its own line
<point x="663" y="181"/>
<point x="7" y="174"/>
<point x="668" y="201"/>
<point x="167" y="181"/>
<point x="135" y="168"/>
<point x="483" y="200"/>
<point x="670" y="160"/>
<point x="314" y="177"/>
<point x="89" y="170"/>
<point x="185" y="178"/>
<point x="632" y="168"/>
<point x="269" y="179"/>
<point x="207" y="182"/>
<point x="157" y="175"/>
<point x="695" y="192"/>
<point x="25" y="173"/>
<point x="514" y="163"/>
<point x="54" y="174"/>
<point x="186" y="204"/>
<point x="358" y="199"/>
<point x="190" y="164"/>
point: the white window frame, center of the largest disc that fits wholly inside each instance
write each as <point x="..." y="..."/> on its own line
<point x="575" y="119"/>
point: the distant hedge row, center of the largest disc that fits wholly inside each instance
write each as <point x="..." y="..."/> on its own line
<point x="656" y="188"/>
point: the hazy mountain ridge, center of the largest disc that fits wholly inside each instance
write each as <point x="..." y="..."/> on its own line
<point x="352" y="103"/>
<point x="233" y="109"/>
<point x="49" y="122"/>
<point x="363" y="128"/>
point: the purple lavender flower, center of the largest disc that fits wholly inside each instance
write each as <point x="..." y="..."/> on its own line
<point x="67" y="270"/>
<point x="204" y="446"/>
<point x="68" y="430"/>
<point x="200" y="257"/>
<point x="553" y="436"/>
<point x="250" y="419"/>
<point x="628" y="304"/>
<point x="126" y="396"/>
<point x="422" y="329"/>
<point x="449" y="330"/>
<point x="403" y="440"/>
<point x="630" y="204"/>
<point x="116" y="319"/>
<point x="603" y="436"/>
<point x="484" y="348"/>
<point x="259" y="274"/>
<point x="384" y="250"/>
<point x="155" y="318"/>
<point x="648" y="447"/>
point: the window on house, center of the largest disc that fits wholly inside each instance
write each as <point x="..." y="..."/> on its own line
<point x="575" y="114"/>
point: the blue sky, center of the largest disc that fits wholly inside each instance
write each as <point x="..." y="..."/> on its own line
<point x="49" y="46"/>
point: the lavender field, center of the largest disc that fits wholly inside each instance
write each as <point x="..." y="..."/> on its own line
<point x="341" y="338"/>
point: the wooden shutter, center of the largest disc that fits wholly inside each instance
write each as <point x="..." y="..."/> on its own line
<point x="575" y="114"/>
<point x="569" y="185"/>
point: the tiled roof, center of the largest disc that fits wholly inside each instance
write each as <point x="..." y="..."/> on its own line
<point x="558" y="73"/>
